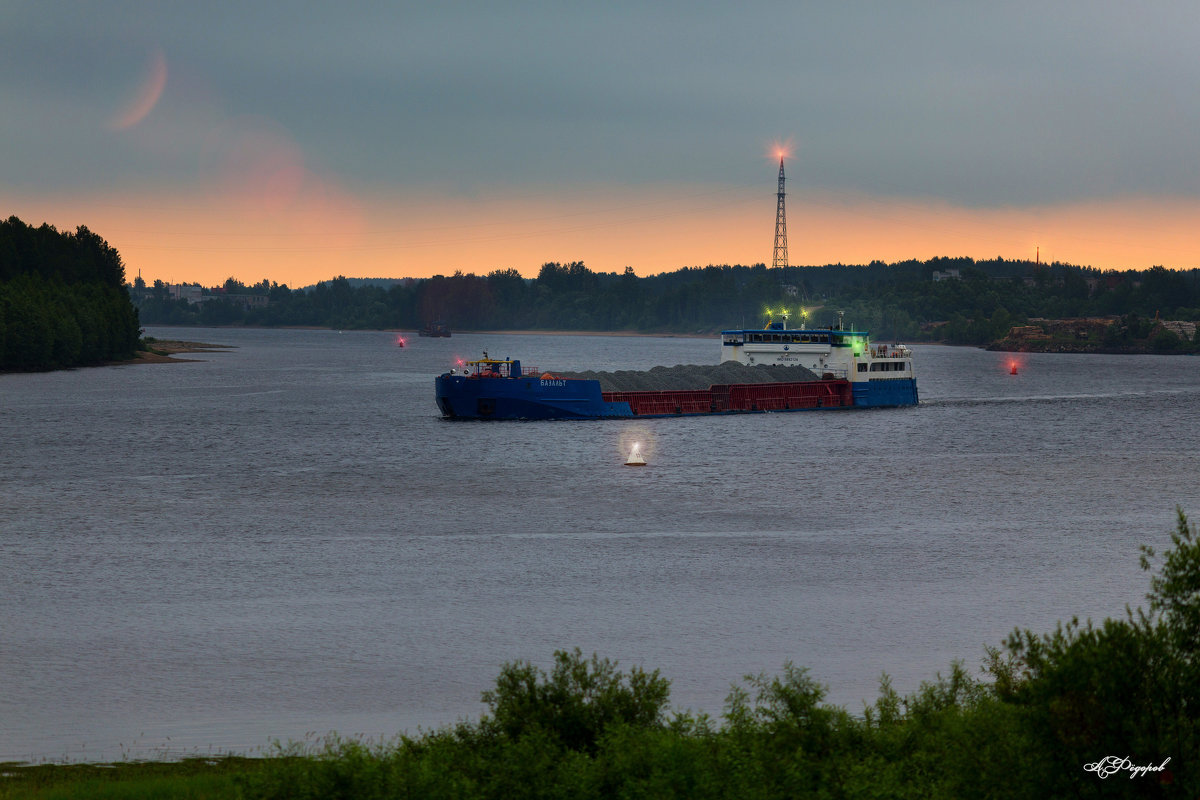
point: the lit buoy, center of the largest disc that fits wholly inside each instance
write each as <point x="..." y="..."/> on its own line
<point x="635" y="457"/>
<point x="1012" y="369"/>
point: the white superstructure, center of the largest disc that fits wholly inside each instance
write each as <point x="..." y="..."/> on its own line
<point x="834" y="352"/>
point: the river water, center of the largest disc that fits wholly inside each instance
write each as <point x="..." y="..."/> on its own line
<point x="285" y="539"/>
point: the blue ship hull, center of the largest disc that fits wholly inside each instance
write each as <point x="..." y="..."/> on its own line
<point x="462" y="397"/>
<point x="536" y="398"/>
<point x="885" y="393"/>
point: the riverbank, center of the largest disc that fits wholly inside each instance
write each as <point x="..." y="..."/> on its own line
<point x="1110" y="336"/>
<point x="157" y="351"/>
<point x="659" y="335"/>
<point x="165" y="351"/>
<point x="415" y="333"/>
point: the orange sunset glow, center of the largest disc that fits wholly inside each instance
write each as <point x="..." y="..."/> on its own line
<point x="296" y="230"/>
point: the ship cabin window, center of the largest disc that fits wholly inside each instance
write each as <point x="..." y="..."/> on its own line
<point x="863" y="367"/>
<point x="805" y="338"/>
<point x="756" y="337"/>
<point x="887" y="366"/>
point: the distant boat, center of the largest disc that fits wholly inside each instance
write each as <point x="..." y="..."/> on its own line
<point x="436" y="329"/>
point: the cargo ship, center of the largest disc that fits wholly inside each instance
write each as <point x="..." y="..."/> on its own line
<point x="838" y="369"/>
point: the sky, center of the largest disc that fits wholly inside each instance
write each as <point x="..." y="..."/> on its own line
<point x="295" y="141"/>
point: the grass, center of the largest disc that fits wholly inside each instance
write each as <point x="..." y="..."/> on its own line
<point x="197" y="778"/>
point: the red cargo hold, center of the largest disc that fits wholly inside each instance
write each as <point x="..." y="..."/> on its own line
<point x="738" y="397"/>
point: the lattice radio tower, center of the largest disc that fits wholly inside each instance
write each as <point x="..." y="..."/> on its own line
<point x="780" y="258"/>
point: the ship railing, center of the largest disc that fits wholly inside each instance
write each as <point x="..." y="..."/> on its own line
<point x="493" y="369"/>
<point x="486" y="369"/>
<point x="891" y="351"/>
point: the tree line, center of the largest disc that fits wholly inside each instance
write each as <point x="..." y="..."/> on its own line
<point x="896" y="301"/>
<point x="63" y="299"/>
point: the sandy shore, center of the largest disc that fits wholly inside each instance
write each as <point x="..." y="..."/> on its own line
<point x="164" y="351"/>
<point x="601" y="333"/>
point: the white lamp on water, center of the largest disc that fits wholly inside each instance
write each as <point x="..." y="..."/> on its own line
<point x="635" y="456"/>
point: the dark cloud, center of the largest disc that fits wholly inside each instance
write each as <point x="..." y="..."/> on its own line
<point x="980" y="105"/>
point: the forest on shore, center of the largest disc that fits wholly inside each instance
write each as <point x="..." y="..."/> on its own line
<point x="63" y="299"/>
<point x="1088" y="710"/>
<point x="949" y="300"/>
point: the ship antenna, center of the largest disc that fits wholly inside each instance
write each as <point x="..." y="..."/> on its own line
<point x="780" y="258"/>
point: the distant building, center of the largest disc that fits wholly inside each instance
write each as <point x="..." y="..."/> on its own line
<point x="194" y="295"/>
<point x="947" y="275"/>
<point x="181" y="291"/>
